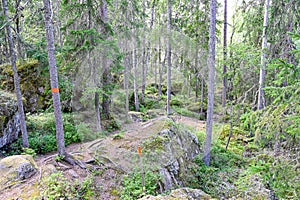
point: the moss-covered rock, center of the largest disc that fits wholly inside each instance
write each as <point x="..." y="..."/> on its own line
<point x="181" y="194"/>
<point x="168" y="150"/>
<point x="16" y="168"/>
<point x="9" y="118"/>
<point x="34" y="84"/>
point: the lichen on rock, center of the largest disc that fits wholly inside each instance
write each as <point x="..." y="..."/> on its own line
<point x="9" y="118"/>
<point x="16" y="168"/>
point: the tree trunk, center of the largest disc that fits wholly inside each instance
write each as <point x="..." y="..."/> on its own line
<point x="135" y="86"/>
<point x="98" y="115"/>
<point x="54" y="80"/>
<point x="169" y="59"/>
<point x="231" y="126"/>
<point x="262" y="72"/>
<point x="16" y="78"/>
<point x="160" y="71"/>
<point x="211" y="81"/>
<point x="126" y="90"/>
<point x="202" y="97"/>
<point x="144" y="72"/>
<point x="106" y="76"/>
<point x="197" y="77"/>
<point x="189" y="85"/>
<point x="224" y="56"/>
<point x="106" y="84"/>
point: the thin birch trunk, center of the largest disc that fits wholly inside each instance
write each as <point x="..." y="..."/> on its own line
<point x="262" y="73"/>
<point x="224" y="56"/>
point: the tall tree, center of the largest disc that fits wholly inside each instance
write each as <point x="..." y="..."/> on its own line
<point x="106" y="76"/>
<point x="16" y="77"/>
<point x="169" y="58"/>
<point x="54" y="81"/>
<point x="135" y="85"/>
<point x="262" y="73"/>
<point x="211" y="81"/>
<point x="224" y="55"/>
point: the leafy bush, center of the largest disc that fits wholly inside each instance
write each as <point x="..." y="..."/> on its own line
<point x="133" y="188"/>
<point x="217" y="178"/>
<point x="42" y="133"/>
<point x="56" y="186"/>
<point x="278" y="174"/>
<point x="185" y="112"/>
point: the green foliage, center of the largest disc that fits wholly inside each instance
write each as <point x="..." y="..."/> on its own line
<point x="132" y="185"/>
<point x="56" y="186"/>
<point x="223" y="169"/>
<point x="118" y="136"/>
<point x="29" y="151"/>
<point x="279" y="174"/>
<point x="85" y="133"/>
<point x="185" y="112"/>
<point x="155" y="143"/>
<point x="42" y="133"/>
<point x="175" y="102"/>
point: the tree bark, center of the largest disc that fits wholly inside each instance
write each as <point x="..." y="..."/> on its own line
<point x="54" y="80"/>
<point x="135" y="86"/>
<point x="202" y="98"/>
<point x="224" y="56"/>
<point x="126" y="90"/>
<point x="16" y="78"/>
<point x="106" y="76"/>
<point x="169" y="59"/>
<point x="262" y="72"/>
<point x="211" y="81"/>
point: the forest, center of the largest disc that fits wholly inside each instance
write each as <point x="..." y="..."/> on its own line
<point x="150" y="99"/>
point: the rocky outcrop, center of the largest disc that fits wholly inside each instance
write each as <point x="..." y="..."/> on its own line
<point x="34" y="84"/>
<point x="182" y="194"/>
<point x="168" y="150"/>
<point x="16" y="168"/>
<point x="179" y="149"/>
<point x="135" y="116"/>
<point x="9" y="118"/>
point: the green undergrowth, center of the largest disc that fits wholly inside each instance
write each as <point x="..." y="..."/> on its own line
<point x="133" y="188"/>
<point x="246" y="170"/>
<point x="56" y="186"/>
<point x="42" y="133"/>
<point x="224" y="169"/>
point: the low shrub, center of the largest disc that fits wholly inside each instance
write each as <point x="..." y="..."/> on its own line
<point x="133" y="188"/>
<point x="56" y="186"/>
<point x="42" y="133"/>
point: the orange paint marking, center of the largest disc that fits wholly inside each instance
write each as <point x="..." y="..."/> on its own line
<point x="54" y="90"/>
<point x="140" y="150"/>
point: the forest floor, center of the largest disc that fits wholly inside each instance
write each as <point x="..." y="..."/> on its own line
<point x="110" y="173"/>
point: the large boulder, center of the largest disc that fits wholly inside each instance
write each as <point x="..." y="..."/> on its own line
<point x="9" y="118"/>
<point x="34" y="84"/>
<point x="16" y="168"/>
<point x="168" y="150"/>
<point x="182" y="194"/>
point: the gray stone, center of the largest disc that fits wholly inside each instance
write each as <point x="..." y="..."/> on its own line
<point x="9" y="119"/>
<point x="16" y="168"/>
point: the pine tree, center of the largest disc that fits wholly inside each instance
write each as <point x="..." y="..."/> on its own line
<point x="211" y="81"/>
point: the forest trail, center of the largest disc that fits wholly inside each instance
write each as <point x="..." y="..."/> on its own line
<point x="117" y="155"/>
